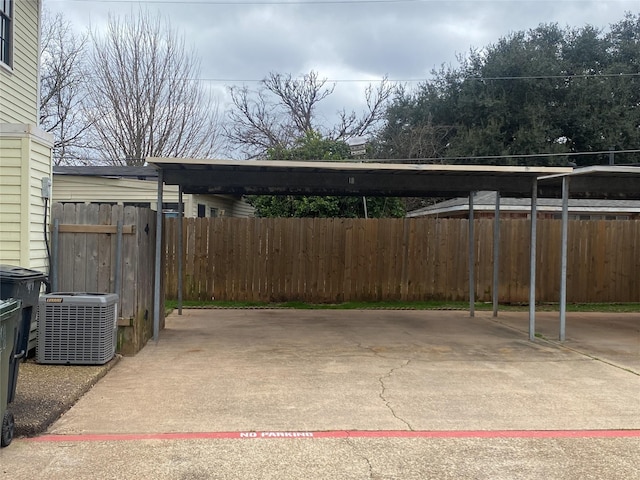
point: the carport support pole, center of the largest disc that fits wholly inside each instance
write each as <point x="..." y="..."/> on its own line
<point x="563" y="257"/>
<point x="533" y="260"/>
<point x="179" y="253"/>
<point x="156" y="280"/>
<point x="496" y="253"/>
<point x="472" y="293"/>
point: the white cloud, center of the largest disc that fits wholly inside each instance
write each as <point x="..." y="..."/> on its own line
<point x="355" y="41"/>
<point x="404" y="40"/>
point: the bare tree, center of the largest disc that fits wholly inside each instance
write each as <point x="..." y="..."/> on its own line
<point x="422" y="141"/>
<point x="62" y="88"/>
<point x="283" y="109"/>
<point x="145" y="98"/>
<point x="352" y="125"/>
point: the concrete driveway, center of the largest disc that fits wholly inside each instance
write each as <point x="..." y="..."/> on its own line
<point x="357" y="394"/>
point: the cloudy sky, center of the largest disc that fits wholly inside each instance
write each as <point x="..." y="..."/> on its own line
<point x="350" y="42"/>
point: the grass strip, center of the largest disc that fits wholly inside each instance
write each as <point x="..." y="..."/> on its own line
<point x="398" y="305"/>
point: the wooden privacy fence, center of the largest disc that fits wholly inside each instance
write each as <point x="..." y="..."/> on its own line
<point x="85" y="259"/>
<point x="336" y="260"/>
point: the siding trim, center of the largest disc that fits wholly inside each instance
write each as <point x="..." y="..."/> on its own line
<point x="25" y="187"/>
<point x="23" y="130"/>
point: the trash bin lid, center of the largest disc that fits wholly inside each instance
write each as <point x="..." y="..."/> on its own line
<point x="8" y="306"/>
<point x="11" y="272"/>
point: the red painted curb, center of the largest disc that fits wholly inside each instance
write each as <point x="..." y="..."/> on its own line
<point x="548" y="434"/>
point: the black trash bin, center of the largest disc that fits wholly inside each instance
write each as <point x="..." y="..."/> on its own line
<point x="23" y="284"/>
<point x="9" y="317"/>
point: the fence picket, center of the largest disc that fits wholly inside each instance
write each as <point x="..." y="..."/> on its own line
<point x="334" y="260"/>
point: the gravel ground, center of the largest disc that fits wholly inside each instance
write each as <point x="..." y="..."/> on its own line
<point x="45" y="392"/>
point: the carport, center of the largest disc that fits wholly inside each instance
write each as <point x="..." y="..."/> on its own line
<point x="616" y="182"/>
<point x="384" y="178"/>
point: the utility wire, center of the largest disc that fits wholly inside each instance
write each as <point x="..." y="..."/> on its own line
<point x="284" y="2"/>
<point x="444" y="160"/>
<point x="416" y="80"/>
<point x="500" y="157"/>
<point x="250" y="3"/>
<point x="565" y="76"/>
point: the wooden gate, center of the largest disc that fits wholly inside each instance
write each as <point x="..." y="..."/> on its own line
<point x="103" y="248"/>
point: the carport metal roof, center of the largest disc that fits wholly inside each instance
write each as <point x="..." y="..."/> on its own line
<point x="244" y="177"/>
<point x="387" y="179"/>
<point x="616" y="182"/>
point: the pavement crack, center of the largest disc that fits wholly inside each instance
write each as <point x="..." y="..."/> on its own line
<point x="383" y="392"/>
<point x="363" y="457"/>
<point x="381" y="379"/>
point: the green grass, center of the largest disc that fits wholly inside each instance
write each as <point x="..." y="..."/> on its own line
<point x="426" y="305"/>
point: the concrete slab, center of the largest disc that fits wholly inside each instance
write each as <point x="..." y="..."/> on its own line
<point x="330" y="459"/>
<point x="611" y="337"/>
<point x="354" y="370"/>
<point x="44" y="392"/>
<point x="289" y="370"/>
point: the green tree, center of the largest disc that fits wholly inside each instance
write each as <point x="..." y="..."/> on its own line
<point x="314" y="147"/>
<point x="545" y="91"/>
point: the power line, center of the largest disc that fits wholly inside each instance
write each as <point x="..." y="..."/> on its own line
<point x="251" y="3"/>
<point x="350" y="80"/>
<point x="456" y="159"/>
<point x="416" y="80"/>
<point x="557" y="77"/>
<point x="502" y="157"/>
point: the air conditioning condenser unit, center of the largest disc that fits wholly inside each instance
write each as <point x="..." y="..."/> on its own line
<point x="77" y="328"/>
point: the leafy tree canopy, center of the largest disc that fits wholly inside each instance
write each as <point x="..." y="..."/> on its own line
<point x="311" y="146"/>
<point x="314" y="147"/>
<point x="545" y="91"/>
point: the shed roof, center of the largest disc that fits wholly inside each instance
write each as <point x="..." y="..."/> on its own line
<point x="486" y="201"/>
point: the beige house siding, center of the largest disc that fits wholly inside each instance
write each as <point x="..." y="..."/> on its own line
<point x="40" y="167"/>
<point x="25" y="158"/>
<point x="19" y="85"/>
<point x="90" y="189"/>
<point x="10" y="199"/>
<point x="242" y="209"/>
<point x="25" y="150"/>
<point x="225" y="205"/>
<point x="86" y="189"/>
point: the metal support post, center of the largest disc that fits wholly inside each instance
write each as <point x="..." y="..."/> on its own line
<point x="158" y="269"/>
<point x="472" y="261"/>
<point x="496" y="254"/>
<point x="180" y="247"/>
<point x="533" y="259"/>
<point x="563" y="255"/>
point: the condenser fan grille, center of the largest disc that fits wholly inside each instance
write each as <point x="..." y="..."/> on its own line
<point x="77" y="328"/>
